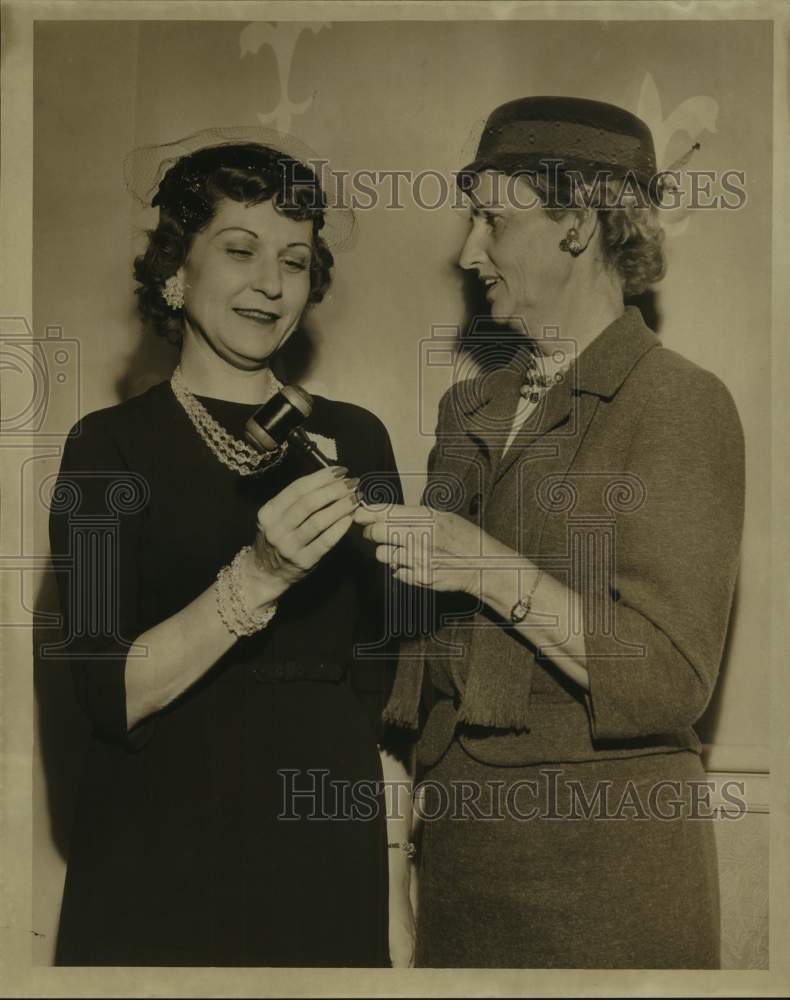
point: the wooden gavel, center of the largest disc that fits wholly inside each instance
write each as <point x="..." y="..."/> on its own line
<point x="279" y="421"/>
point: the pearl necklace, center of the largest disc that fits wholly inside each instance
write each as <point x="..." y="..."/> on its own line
<point x="233" y="453"/>
<point x="535" y="383"/>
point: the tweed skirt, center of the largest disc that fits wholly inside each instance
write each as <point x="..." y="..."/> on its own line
<point x="600" y="864"/>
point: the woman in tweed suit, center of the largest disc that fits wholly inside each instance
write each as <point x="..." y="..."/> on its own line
<point x="583" y="568"/>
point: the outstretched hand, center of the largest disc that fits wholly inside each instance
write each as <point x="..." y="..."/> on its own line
<point x="429" y="548"/>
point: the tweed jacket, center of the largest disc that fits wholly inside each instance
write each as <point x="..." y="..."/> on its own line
<point x="626" y="484"/>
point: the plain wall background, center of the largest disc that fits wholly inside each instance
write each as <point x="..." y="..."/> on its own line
<point x="388" y="96"/>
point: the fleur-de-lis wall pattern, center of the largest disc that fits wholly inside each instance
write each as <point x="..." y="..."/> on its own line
<point x="694" y="116"/>
<point x="281" y="38"/>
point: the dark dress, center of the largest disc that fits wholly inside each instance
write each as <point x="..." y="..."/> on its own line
<point x="186" y="849"/>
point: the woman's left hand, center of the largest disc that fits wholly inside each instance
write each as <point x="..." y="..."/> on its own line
<point x="429" y="548"/>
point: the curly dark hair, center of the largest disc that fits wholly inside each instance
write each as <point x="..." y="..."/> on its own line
<point x="187" y="200"/>
<point x="631" y="237"/>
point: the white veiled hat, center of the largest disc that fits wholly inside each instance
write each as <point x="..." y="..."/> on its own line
<point x="146" y="168"/>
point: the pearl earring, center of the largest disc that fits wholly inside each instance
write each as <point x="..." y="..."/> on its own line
<point x="570" y="243"/>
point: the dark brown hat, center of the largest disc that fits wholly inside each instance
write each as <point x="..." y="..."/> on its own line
<point x="590" y="137"/>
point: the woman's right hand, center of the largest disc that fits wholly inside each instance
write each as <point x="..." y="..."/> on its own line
<point x="297" y="528"/>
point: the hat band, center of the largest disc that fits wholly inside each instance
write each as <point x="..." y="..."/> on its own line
<point x="583" y="144"/>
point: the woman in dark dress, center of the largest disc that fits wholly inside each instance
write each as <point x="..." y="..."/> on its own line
<point x="213" y="601"/>
<point x="586" y="556"/>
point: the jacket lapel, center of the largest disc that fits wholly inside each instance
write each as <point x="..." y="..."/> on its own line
<point x="553" y="410"/>
<point x="487" y="406"/>
<point x="546" y="444"/>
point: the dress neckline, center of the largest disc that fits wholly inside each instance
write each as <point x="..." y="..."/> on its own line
<point x="226" y="402"/>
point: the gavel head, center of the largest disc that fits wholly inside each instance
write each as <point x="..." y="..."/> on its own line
<point x="271" y="424"/>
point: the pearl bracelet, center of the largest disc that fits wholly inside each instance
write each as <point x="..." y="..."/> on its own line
<point x="236" y="615"/>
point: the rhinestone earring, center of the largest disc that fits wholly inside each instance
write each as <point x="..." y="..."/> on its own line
<point x="173" y="292"/>
<point x="570" y="243"/>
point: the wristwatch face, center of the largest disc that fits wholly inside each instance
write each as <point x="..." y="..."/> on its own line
<point x="519" y="612"/>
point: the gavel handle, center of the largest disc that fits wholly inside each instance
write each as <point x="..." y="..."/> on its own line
<point x="298" y="437"/>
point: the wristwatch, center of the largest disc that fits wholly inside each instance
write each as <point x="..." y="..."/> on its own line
<point x="520" y="609"/>
<point x="523" y="605"/>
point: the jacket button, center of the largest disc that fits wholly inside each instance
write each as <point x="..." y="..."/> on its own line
<point x="475" y="504"/>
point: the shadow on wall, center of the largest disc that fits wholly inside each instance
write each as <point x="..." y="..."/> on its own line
<point x="647" y="303"/>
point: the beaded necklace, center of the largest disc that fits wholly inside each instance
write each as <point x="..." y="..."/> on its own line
<point x="233" y="453"/>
